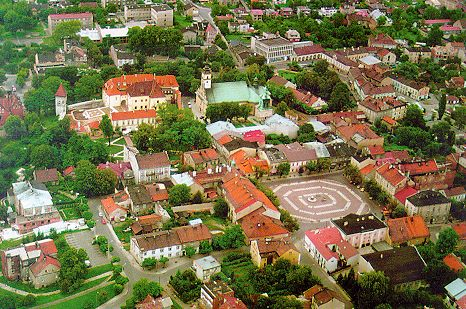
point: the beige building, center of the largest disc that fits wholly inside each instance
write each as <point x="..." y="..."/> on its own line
<point x="162" y="15"/>
<point x="137" y="12"/>
<point x="129" y="121"/>
<point x="273" y="47"/>
<point x="148" y="167"/>
<point x="413" y="89"/>
<point x="86" y="20"/>
<point x="433" y="206"/>
<point x="266" y="252"/>
<point x="416" y="54"/>
<point x="206" y="267"/>
<point x="118" y="3"/>
<point x="44" y="271"/>
<point x="379" y="108"/>
<point x="390" y="178"/>
<point x="361" y="230"/>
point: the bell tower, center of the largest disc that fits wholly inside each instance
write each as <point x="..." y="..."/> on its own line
<point x="206" y="77"/>
<point x="60" y="102"/>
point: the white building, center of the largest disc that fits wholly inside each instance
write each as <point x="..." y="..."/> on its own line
<point x="433" y="206"/>
<point x="206" y="267"/>
<point x="329" y="249"/>
<point x="213" y="291"/>
<point x="327" y="11"/>
<point x="149" y="167"/>
<point x="273" y="47"/>
<point x="129" y="121"/>
<point x="361" y="230"/>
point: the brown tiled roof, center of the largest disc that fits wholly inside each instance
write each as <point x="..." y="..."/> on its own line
<point x="362" y="129"/>
<point x="47" y="175"/>
<point x="154" y="160"/>
<point x="193" y="233"/>
<point x="203" y="155"/>
<point x="278" y="80"/>
<point x="279" y="246"/>
<point x="404" y="229"/>
<point x="42" y="263"/>
<point x="391" y="174"/>
<point x="382" y="104"/>
<point x="145" y="88"/>
<point x="258" y="226"/>
<point x="157" y="240"/>
<point x="296" y="152"/>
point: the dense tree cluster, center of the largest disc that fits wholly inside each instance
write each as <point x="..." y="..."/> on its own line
<point x="228" y="111"/>
<point x="73" y="269"/>
<point x="233" y="237"/>
<point x="141" y="289"/>
<point x="92" y="181"/>
<point x="155" y="40"/>
<point x="186" y="285"/>
<point x="177" y="131"/>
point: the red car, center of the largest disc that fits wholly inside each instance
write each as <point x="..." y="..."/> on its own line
<point x="103" y="221"/>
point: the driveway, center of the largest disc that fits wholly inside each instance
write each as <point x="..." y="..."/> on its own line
<point x="83" y="240"/>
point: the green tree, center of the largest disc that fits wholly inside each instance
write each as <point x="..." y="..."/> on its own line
<point x="106" y="127"/>
<point x="190" y="251"/>
<point x="67" y="29"/>
<point x="447" y="241"/>
<point x="187" y="285"/>
<point x="44" y="156"/>
<point x="205" y="247"/>
<point x="414" y="117"/>
<point x="232" y="238"/>
<point x="442" y="106"/>
<point x="283" y="169"/>
<point x="179" y="194"/>
<point x="300" y="279"/>
<point x="399" y="212"/>
<point x="290" y="223"/>
<point x="144" y="287"/>
<point x="221" y="208"/>
<point x="306" y="133"/>
<point x="163" y="260"/>
<point x="442" y="133"/>
<point x="149" y="263"/>
<point x="281" y="108"/>
<point x="340" y="98"/>
<point x="14" y="127"/>
<point x="73" y="269"/>
<point x="459" y="115"/>
<point x="88" y="87"/>
<point x="435" y="36"/>
<point x="407" y="69"/>
<point x="374" y="289"/>
<point x="438" y="275"/>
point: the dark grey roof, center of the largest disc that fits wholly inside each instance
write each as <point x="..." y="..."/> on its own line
<point x="139" y="195"/>
<point x="401" y="265"/>
<point x="339" y="150"/>
<point x="239" y="143"/>
<point x="161" y="7"/>
<point x="428" y="197"/>
<point x="353" y="223"/>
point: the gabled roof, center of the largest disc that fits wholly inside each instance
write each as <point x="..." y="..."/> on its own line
<point x="460" y="229"/>
<point x="71" y="16"/>
<point x="258" y="226"/>
<point x="391" y="174"/>
<point x="110" y="206"/>
<point x="278" y="246"/>
<point x="453" y="262"/>
<point x="403" y="194"/>
<point x="137" y="114"/>
<point x="202" y="155"/>
<point x="419" y="168"/>
<point x="193" y="233"/>
<point x="231" y="302"/>
<point x="296" y="152"/>
<point x="324" y="238"/>
<point x="154" y="160"/>
<point x="47" y="175"/>
<point x="120" y="85"/>
<point x="42" y="263"/>
<point x="404" y="229"/>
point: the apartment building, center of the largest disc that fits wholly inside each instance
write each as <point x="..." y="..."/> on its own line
<point x="162" y="15"/>
<point x="411" y="88"/>
<point x="379" y="108"/>
<point x="86" y="19"/>
<point x="273" y="47"/>
<point x="361" y="230"/>
<point x="433" y="206"/>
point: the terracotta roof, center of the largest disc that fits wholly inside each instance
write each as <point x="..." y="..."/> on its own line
<point x="258" y="226"/>
<point x="119" y="168"/>
<point x="398" y="155"/>
<point x="224" y="139"/>
<point x="193" y="233"/>
<point x="278" y="80"/>
<point x="404" y="229"/>
<point x="47" y="175"/>
<point x="296" y="152"/>
<point x="325" y="237"/>
<point x="306" y="98"/>
<point x="383" y="52"/>
<point x="157" y="240"/>
<point x="419" y="168"/>
<point x="46" y="246"/>
<point x="150" y="303"/>
<point x="389" y="120"/>
<point x="461" y="303"/>
<point x="363" y="130"/>
<point x="403" y="194"/>
<point x="353" y="116"/>
<point x="383" y="39"/>
<point x="203" y="155"/>
<point x="145" y="88"/>
<point x="383" y="104"/>
<point x="376" y="150"/>
<point x="367" y="169"/>
<point x="231" y="302"/>
<point x="453" y="262"/>
<point x="436" y="21"/>
<point x="391" y="174"/>
<point x="460" y="229"/>
<point x="119" y="85"/>
<point x="278" y="246"/>
<point x="10" y="105"/>
<point x="149" y="219"/>
<point x="137" y="114"/>
<point x="42" y="263"/>
<point x="110" y="206"/>
<point x="455" y="191"/>
<point x="71" y="16"/>
<point x="67" y="171"/>
<point x="309" y="50"/>
<point x="154" y="160"/>
<point x="61" y="92"/>
<point x="248" y="165"/>
<point x="156" y="193"/>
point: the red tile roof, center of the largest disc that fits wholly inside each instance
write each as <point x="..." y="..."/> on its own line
<point x="47" y="246"/>
<point x="362" y="129"/>
<point x="376" y="150"/>
<point x="254" y="136"/>
<point x="436" y="21"/>
<point x="309" y="50"/>
<point x="120" y="85"/>
<point x="224" y="139"/>
<point x="295" y="152"/>
<point x="10" y="105"/>
<point x="367" y="169"/>
<point x="156" y="193"/>
<point x="61" y="92"/>
<point x="71" y="16"/>
<point x="149" y="219"/>
<point x="110" y="206"/>
<point x="382" y="39"/>
<point x="231" y="302"/>
<point x="306" y="98"/>
<point x="460" y="229"/>
<point x="404" y="229"/>
<point x="323" y="238"/>
<point x="403" y="194"/>
<point x="398" y="155"/>
<point x="381" y="104"/>
<point x="193" y="233"/>
<point x="248" y="165"/>
<point x="461" y="303"/>
<point x="138" y="114"/>
<point x="119" y="168"/>
<point x="154" y="160"/>
<point x="258" y="226"/>
<point x="391" y="174"/>
<point x="454" y="191"/>
<point x="203" y="155"/>
<point x="453" y="262"/>
<point x="353" y="116"/>
<point x="67" y="171"/>
<point x="389" y="120"/>
<point x="47" y="175"/>
<point x="42" y="263"/>
<point x="419" y="168"/>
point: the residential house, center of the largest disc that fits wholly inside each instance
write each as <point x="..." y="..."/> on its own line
<point x="359" y="136"/>
<point x="309" y="99"/>
<point x="404" y="266"/>
<point x="366" y="89"/>
<point x="86" y="20"/>
<point x="453" y="262"/>
<point x="147" y="224"/>
<point x="379" y="108"/>
<point x="386" y="57"/>
<point x="389" y="122"/>
<point x="171" y="243"/>
<point x="460" y="229"/>
<point x="339" y="62"/>
<point x="390" y="178"/>
<point x="47" y="176"/>
<point x="48" y="60"/>
<point x="361" y="230"/>
<point x="274" y="157"/>
<point x="433" y="206"/>
<point x="266" y="252"/>
<point x="292" y="35"/>
<point x="210" y="34"/>
<point x="137" y="12"/>
<point x="303" y="10"/>
<point x="130" y="120"/>
<point x="327" y="11"/>
<point x="452" y="100"/>
<point x="457" y="193"/>
<point x="118" y="3"/>
<point x="10" y="104"/>
<point x="191" y="10"/>
<point x="257" y="14"/>
<point x="206" y="267"/>
<point x="162" y="15"/>
<point x="362" y="19"/>
<point x="240" y="26"/>
<point x="308" y="53"/>
<point x="456" y="293"/>
<point x="403" y="194"/>
<point x="273" y="47"/>
<point x="248" y="166"/>
<point x="112" y="211"/>
<point x="411" y="231"/>
<point x="320" y="297"/>
<point x="416" y="54"/>
<point x="140" y="201"/>
<point x="258" y="225"/>
<point x="213" y="294"/>
<point x="33" y="204"/>
<point x="149" y="167"/>
<point x="297" y="155"/>
<point x="329" y="249"/>
<point x="35" y="262"/>
<point x="382" y="40"/>
<point x="121" y="56"/>
<point x="450" y="50"/>
<point x="413" y="89"/>
<point x="286" y="11"/>
<point x="200" y="159"/>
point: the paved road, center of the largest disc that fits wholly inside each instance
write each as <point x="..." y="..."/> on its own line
<point x="11" y="81"/>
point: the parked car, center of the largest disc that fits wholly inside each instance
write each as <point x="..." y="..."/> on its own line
<point x="103" y="221"/>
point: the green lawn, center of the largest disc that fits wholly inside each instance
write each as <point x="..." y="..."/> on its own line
<point x="239" y="124"/>
<point x="181" y="22"/>
<point x="69" y="213"/>
<point x="212" y="222"/>
<point x="392" y="147"/>
<point x="98" y="270"/>
<point x="27" y="287"/>
<point x="10" y="243"/>
<point x="289" y="75"/>
<point x="245" y="38"/>
<point x="89" y="300"/>
<point x="121" y="142"/>
<point x="119" y="231"/>
<point x="239" y="267"/>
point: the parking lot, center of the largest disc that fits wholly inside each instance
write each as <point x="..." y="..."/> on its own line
<point x="320" y="200"/>
<point x="83" y="240"/>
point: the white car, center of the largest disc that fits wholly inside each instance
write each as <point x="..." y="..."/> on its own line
<point x="101" y="214"/>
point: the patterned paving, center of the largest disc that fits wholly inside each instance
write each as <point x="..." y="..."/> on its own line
<point x="319" y="200"/>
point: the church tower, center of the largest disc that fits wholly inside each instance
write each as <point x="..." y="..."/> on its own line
<point x="206" y="78"/>
<point x="60" y="102"/>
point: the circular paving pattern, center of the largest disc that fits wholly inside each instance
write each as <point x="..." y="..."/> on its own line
<point x="319" y="200"/>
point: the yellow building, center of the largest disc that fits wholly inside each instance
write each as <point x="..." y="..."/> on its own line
<point x="266" y="252"/>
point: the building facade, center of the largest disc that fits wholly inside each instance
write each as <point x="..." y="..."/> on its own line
<point x="433" y="206"/>
<point x="361" y="230"/>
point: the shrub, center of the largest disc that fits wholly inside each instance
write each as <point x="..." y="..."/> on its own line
<point x="118" y="288"/>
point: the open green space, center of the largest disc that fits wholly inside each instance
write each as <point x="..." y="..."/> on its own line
<point x="212" y="222"/>
<point x="27" y="287"/>
<point x="10" y="243"/>
<point x="70" y="213"/>
<point x="121" y="142"/>
<point x="239" y="124"/>
<point x="181" y="22"/>
<point x="92" y="299"/>
<point x="98" y="270"/>
<point x="239" y="267"/>
<point x="289" y="75"/>
<point x="244" y="38"/>
<point x="121" y="231"/>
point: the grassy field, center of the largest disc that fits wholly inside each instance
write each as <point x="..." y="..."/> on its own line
<point x="213" y="223"/>
<point x="289" y="75"/>
<point x="392" y="147"/>
<point x="121" y="234"/>
<point x="98" y="270"/>
<point x="10" y="243"/>
<point x="27" y="287"/>
<point x="180" y="21"/>
<point x="239" y="267"/>
<point x="89" y="300"/>
<point x="70" y="213"/>
<point x="121" y="142"/>
<point x="239" y="124"/>
<point x="245" y="38"/>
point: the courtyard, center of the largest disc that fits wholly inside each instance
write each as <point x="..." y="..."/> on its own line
<point x="319" y="200"/>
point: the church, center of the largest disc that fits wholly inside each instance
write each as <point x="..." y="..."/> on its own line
<point x="233" y="92"/>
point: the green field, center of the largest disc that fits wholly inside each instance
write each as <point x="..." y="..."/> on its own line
<point x="89" y="300"/>
<point x="70" y="213"/>
<point x="181" y="22"/>
<point x="121" y="234"/>
<point x="239" y="124"/>
<point x="245" y="38"/>
<point x="121" y="142"/>
<point x="27" y="287"/>
<point x="98" y="270"/>
<point x="289" y="75"/>
<point x="239" y="267"/>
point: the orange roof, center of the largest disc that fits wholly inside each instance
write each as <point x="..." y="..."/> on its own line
<point x="391" y="174"/>
<point x="42" y="262"/>
<point x="419" y="168"/>
<point x="61" y="92"/>
<point x="389" y="120"/>
<point x="231" y="302"/>
<point x="68" y="170"/>
<point x="119" y="85"/>
<point x="404" y="229"/>
<point x="94" y="124"/>
<point x="248" y="165"/>
<point x="367" y="169"/>
<point x="109" y="205"/>
<point x="460" y="229"/>
<point x="362" y="129"/>
<point x="376" y="150"/>
<point x="149" y="219"/>
<point x="138" y="114"/>
<point x="224" y="139"/>
<point x="258" y="226"/>
<point x="453" y="262"/>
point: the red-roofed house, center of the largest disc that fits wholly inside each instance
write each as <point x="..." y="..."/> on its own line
<point x="248" y="166"/>
<point x="453" y="262"/>
<point x="46" y="176"/>
<point x="309" y="99"/>
<point x="331" y="251"/>
<point x="460" y="229"/>
<point x="456" y="193"/>
<point x="130" y="120"/>
<point x="140" y="91"/>
<point x="308" y="53"/>
<point x="10" y="105"/>
<point x="383" y="41"/>
<point x="200" y="159"/>
<point x="268" y="251"/>
<point x="231" y="302"/>
<point x="430" y="22"/>
<point x="119" y="168"/>
<point x="390" y="178"/>
<point x="389" y="122"/>
<point x="297" y="155"/>
<point x="403" y="194"/>
<point x="359" y="136"/>
<point x="427" y="175"/>
<point x="44" y="271"/>
<point x="112" y="210"/>
<point x="256" y="136"/>
<point x="407" y="231"/>
<point x="257" y="226"/>
<point x="69" y="171"/>
<point x="375" y="151"/>
<point x="148" y="167"/>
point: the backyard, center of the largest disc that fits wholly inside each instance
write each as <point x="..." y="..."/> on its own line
<point x="244" y="38"/>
